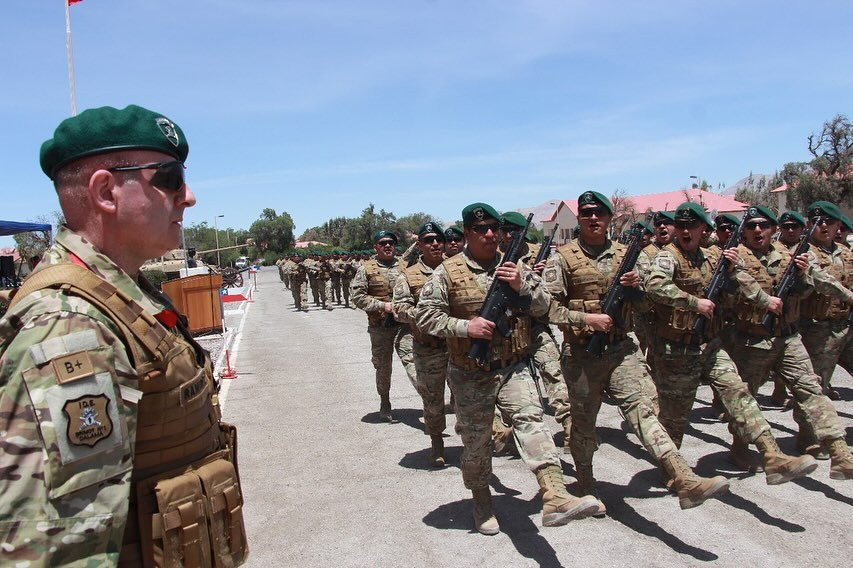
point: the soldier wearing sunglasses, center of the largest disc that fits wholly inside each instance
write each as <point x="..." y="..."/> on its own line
<point x="676" y="284"/>
<point x="825" y="313"/>
<point x="105" y="398"/>
<point x="791" y="227"/>
<point x="454" y="241"/>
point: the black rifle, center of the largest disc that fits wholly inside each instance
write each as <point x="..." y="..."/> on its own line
<point x="783" y="288"/>
<point x="716" y="285"/>
<point x="545" y="251"/>
<point x="612" y="302"/>
<point x="498" y="299"/>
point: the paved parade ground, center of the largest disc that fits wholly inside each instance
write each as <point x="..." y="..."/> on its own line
<point x="326" y="484"/>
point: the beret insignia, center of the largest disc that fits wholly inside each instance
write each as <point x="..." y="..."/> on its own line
<point x="479" y="213"/>
<point x="168" y="129"/>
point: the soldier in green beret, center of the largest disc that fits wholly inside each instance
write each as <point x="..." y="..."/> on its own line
<point x="449" y="307"/>
<point x="102" y="389"/>
<point x="676" y="284"/>
<point x="663" y="222"/>
<point x="827" y="334"/>
<point x="371" y="291"/>
<point x="454" y="241"/>
<point x="758" y="351"/>
<point x="843" y="231"/>
<point x="791" y="227"/>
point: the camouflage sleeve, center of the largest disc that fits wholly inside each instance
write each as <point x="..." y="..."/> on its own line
<point x="404" y="301"/>
<point x="749" y="289"/>
<point x="659" y="285"/>
<point x="532" y="286"/>
<point x="554" y="276"/>
<point x="826" y="284"/>
<point x="643" y="266"/>
<point x="68" y="417"/>
<point x="433" y="309"/>
<point x="358" y="293"/>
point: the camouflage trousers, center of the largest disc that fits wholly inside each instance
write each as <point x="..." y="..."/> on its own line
<point x="644" y="331"/>
<point x="512" y="389"/>
<point x="829" y="343"/>
<point x="431" y="367"/>
<point x="622" y="373"/>
<point x="786" y="356"/>
<point x="681" y="368"/>
<point x="345" y="282"/>
<point x="336" y="290"/>
<point x="315" y="289"/>
<point x="300" y="294"/>
<point x="383" y="342"/>
<point x="546" y="358"/>
<point x="404" y="346"/>
<point x="324" y="290"/>
<point x="286" y="279"/>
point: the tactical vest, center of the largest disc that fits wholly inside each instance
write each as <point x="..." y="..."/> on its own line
<point x="819" y="306"/>
<point x="466" y="298"/>
<point x="747" y="315"/>
<point x="416" y="279"/>
<point x="587" y="288"/>
<point x="185" y="499"/>
<point x="325" y="271"/>
<point x="379" y="287"/>
<point x="676" y="324"/>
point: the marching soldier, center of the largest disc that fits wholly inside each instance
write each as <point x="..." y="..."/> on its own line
<point x="337" y="266"/>
<point x="791" y="227"/>
<point x="454" y="241"/>
<point x="324" y="277"/>
<point x="448" y="307"/>
<point x="676" y="283"/>
<point x="298" y="285"/>
<point x="348" y="270"/>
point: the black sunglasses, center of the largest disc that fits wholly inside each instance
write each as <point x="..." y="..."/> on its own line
<point x="687" y="224"/>
<point x="726" y="227"/>
<point x="790" y="226"/>
<point x="752" y="225"/>
<point x="483" y="229"/>
<point x="428" y="240"/>
<point x="169" y="175"/>
<point x="386" y="243"/>
<point x="823" y="220"/>
<point x="454" y="239"/>
<point x="590" y="211"/>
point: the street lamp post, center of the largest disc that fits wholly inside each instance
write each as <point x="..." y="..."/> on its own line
<point x="216" y="234"/>
<point x="697" y="181"/>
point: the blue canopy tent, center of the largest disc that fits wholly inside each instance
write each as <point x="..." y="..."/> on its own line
<point x="8" y="276"/>
<point x="15" y="227"/>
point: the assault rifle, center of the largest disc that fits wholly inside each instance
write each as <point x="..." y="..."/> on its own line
<point x="545" y="251"/>
<point x="615" y="297"/>
<point x="783" y="288"/>
<point x="716" y="285"/>
<point x="499" y="298"/>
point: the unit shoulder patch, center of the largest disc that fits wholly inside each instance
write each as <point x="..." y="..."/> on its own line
<point x="89" y="421"/>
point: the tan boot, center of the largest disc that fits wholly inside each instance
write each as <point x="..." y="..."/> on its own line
<point x="385" y="409"/>
<point x="842" y="461"/>
<point x="567" y="429"/>
<point x="436" y="458"/>
<point x="781" y="468"/>
<point x="586" y="486"/>
<point x="692" y="489"/>
<point x="484" y="517"/>
<point x="558" y="507"/>
<point x="808" y="444"/>
<point x="742" y="458"/>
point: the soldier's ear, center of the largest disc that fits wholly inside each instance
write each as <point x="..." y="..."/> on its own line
<point x="102" y="191"/>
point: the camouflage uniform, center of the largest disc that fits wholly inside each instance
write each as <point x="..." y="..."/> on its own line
<point x="506" y="382"/>
<point x="80" y="441"/>
<point x="756" y="351"/>
<point x="324" y="276"/>
<point x="577" y="277"/>
<point x="429" y="352"/>
<point x="336" y="265"/>
<point x="348" y="270"/>
<point x="827" y="335"/>
<point x="313" y="267"/>
<point x="370" y="290"/>
<point x="298" y="286"/>
<point x="675" y="282"/>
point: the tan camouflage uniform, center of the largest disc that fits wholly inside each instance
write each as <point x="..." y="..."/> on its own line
<point x="298" y="286"/>
<point x="507" y="383"/>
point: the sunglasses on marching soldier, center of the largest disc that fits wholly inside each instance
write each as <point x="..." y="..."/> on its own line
<point x="167" y="175"/>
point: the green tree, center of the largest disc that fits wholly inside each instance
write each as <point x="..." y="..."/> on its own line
<point x="756" y="191"/>
<point x="272" y="232"/>
<point x="35" y="243"/>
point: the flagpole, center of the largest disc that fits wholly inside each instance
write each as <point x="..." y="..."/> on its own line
<point x="70" y="58"/>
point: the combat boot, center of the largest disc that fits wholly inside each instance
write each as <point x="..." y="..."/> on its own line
<point x="558" y="507"/>
<point x="385" y="409"/>
<point x="808" y="444"/>
<point x="742" y="458"/>
<point x="567" y="429"/>
<point x="586" y="486"/>
<point x="842" y="461"/>
<point x="484" y="517"/>
<point x="692" y="489"/>
<point x="436" y="458"/>
<point x="781" y="468"/>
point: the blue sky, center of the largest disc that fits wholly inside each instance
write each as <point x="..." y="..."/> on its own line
<point x="321" y="107"/>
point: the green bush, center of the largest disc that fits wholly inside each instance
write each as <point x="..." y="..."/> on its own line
<point x="156" y="277"/>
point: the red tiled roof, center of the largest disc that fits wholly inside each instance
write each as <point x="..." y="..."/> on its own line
<point x="669" y="200"/>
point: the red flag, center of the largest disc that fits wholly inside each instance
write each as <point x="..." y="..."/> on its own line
<point x="73" y="1"/>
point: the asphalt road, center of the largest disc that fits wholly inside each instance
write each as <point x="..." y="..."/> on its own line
<point x="327" y="484"/>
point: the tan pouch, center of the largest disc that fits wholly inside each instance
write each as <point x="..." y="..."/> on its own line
<point x="225" y="508"/>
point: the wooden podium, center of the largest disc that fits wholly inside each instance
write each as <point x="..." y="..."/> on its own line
<point x="197" y="297"/>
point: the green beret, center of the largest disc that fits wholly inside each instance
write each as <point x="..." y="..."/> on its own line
<point x="592" y="197"/>
<point x="665" y="217"/>
<point x="792" y="216"/>
<point x="453" y="232"/>
<point x="723" y="218"/>
<point x="431" y="227"/>
<point x="107" y="129"/>
<point x="757" y="211"/>
<point x="845" y="220"/>
<point x="514" y="218"/>
<point x="691" y="210"/>
<point x="384" y="233"/>
<point x="646" y="227"/>
<point x="825" y="209"/>
<point x="479" y="212"/>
